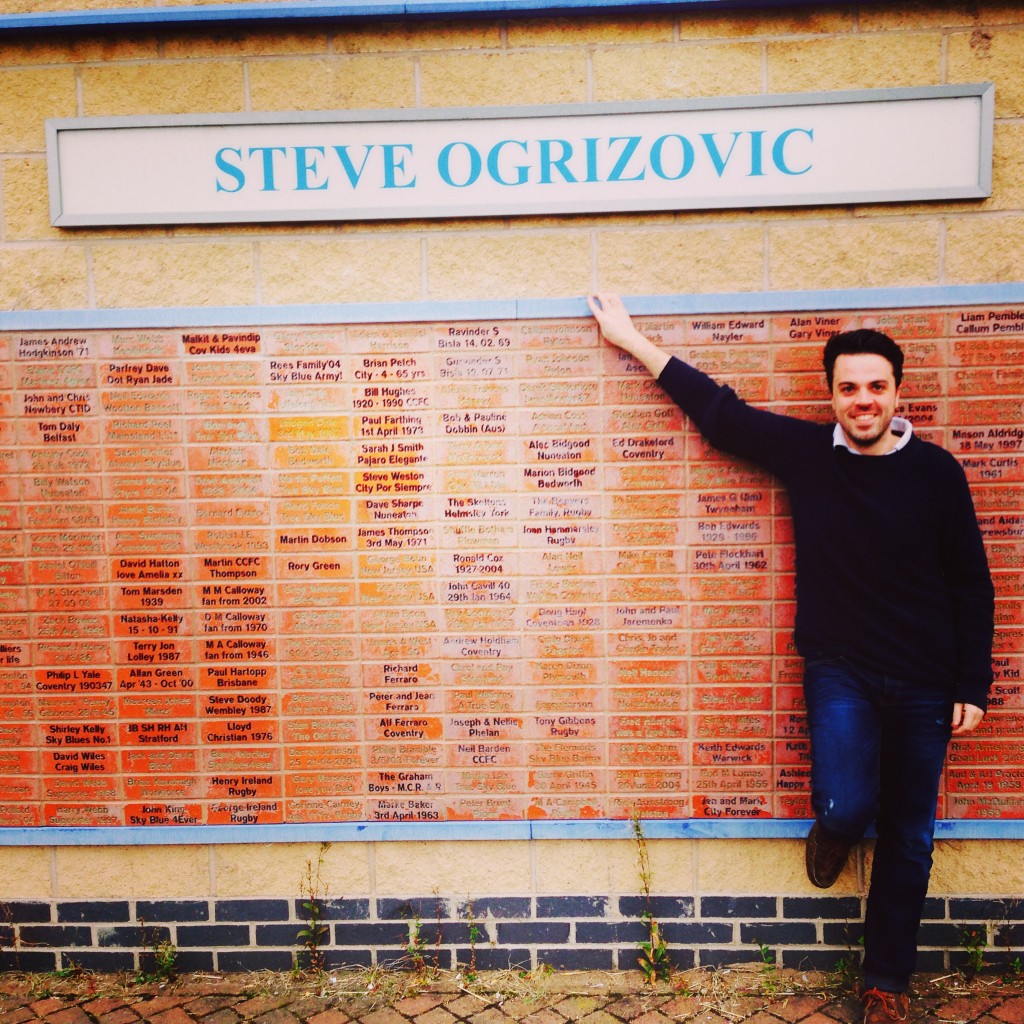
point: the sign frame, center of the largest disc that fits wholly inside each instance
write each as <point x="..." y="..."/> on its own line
<point x="648" y="180"/>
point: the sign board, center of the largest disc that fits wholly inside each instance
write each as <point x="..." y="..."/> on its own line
<point x="886" y="145"/>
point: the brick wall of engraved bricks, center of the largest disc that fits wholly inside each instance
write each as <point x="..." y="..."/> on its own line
<point x="497" y="933"/>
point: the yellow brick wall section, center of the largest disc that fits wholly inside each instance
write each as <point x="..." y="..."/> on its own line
<point x="174" y="274"/>
<point x="348" y="270"/>
<point x="467" y="869"/>
<point x="334" y="83"/>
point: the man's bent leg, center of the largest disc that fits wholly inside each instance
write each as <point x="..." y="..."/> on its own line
<point x="845" y="730"/>
<point x="915" y="736"/>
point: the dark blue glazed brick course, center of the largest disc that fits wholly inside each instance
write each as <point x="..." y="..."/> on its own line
<point x="172" y="910"/>
<point x="55" y="936"/>
<point x="493" y="906"/>
<point x="572" y="906"/>
<point x="279" y="934"/>
<point x="680" y="959"/>
<point x="951" y="935"/>
<point x="696" y="933"/>
<point x="371" y="933"/>
<point x="94" y="911"/>
<point x="771" y="933"/>
<point x="212" y="935"/>
<point x="986" y="910"/>
<point x="531" y="932"/>
<point x="251" y="910"/>
<point x="612" y="932"/>
<point x="27" y="960"/>
<point x="26" y="912"/>
<point x="258" y="960"/>
<point x="335" y="910"/>
<point x="494" y="959"/>
<point x="569" y="958"/>
<point x="842" y="933"/>
<point x="103" y="963"/>
<point x="728" y="957"/>
<point x="819" y="959"/>
<point x="663" y="908"/>
<point x="132" y="936"/>
<point x="426" y="908"/>
<point x="194" y="960"/>
<point x="835" y="908"/>
<point x="739" y="906"/>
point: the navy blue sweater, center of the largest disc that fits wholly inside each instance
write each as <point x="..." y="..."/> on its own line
<point x="891" y="570"/>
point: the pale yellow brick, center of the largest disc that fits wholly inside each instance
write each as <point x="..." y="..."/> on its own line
<point x="27" y="98"/>
<point x="855" y="62"/>
<point x="26" y="200"/>
<point x="990" y="867"/>
<point x="236" y="41"/>
<point x="982" y="249"/>
<point x="330" y="83"/>
<point x="43" y="277"/>
<point x="174" y="274"/>
<point x="348" y="270"/>
<point x="682" y="71"/>
<point x="682" y="259"/>
<point x="26" y="873"/>
<point x="522" y="76"/>
<point x="920" y="14"/>
<point x="764" y="866"/>
<point x="613" y="866"/>
<point x="1007" y="161"/>
<point x="126" y="872"/>
<point x="466" y="869"/>
<point x="508" y="264"/>
<point x="408" y="36"/>
<point x="991" y="56"/>
<point x="46" y="48"/>
<point x="757" y="24"/>
<point x="854" y="254"/>
<point x="584" y="31"/>
<point x="288" y="869"/>
<point x="163" y="87"/>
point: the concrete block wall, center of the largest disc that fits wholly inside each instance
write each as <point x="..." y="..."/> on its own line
<point x="568" y="904"/>
<point x="571" y="902"/>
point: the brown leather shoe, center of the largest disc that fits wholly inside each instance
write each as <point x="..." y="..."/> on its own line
<point x="885" y="1007"/>
<point x="825" y="857"/>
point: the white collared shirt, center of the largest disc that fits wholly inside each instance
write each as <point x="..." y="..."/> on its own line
<point x="902" y="428"/>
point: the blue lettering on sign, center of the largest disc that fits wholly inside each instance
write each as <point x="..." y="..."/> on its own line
<point x="512" y="163"/>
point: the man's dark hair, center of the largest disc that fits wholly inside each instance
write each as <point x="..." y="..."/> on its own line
<point x="861" y="342"/>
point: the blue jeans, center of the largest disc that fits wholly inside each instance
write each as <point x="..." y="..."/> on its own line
<point x="877" y="749"/>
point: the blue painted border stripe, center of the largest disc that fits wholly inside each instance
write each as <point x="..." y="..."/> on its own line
<point x="414" y="831"/>
<point x="310" y="10"/>
<point x="686" y="828"/>
<point x="507" y="309"/>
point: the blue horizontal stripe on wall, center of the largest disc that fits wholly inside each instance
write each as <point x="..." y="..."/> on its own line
<point x="506" y="309"/>
<point x="310" y="10"/>
<point x="411" y="831"/>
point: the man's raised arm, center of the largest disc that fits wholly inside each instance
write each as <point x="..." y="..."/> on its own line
<point x="617" y="327"/>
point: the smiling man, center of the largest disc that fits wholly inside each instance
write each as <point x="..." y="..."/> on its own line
<point x="894" y="617"/>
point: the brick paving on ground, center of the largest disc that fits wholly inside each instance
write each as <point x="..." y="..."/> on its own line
<point x="562" y="998"/>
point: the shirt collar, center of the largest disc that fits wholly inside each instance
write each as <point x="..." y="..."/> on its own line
<point x="904" y="430"/>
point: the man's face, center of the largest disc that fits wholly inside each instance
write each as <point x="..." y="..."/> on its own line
<point x="864" y="399"/>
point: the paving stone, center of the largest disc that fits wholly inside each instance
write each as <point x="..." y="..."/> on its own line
<point x="225" y="1016"/>
<point x="413" y="1006"/>
<point x="123" y="1015"/>
<point x="384" y="1016"/>
<point x="16" y="1015"/>
<point x="464" y="1006"/>
<point x="543" y="1016"/>
<point x="576" y="1007"/>
<point x="1010" y="1010"/>
<point x="71" y="1015"/>
<point x="654" y="1017"/>
<point x="332" y="1015"/>
<point x="280" y="1015"/>
<point x="171" y="1015"/>
<point x="492" y="1015"/>
<point x="206" y="1004"/>
<point x="798" y="1007"/>
<point x="438" y="1015"/>
<point x="964" y="1008"/>
<point x="42" y="1007"/>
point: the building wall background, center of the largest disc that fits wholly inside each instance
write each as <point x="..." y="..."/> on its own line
<point x="535" y="896"/>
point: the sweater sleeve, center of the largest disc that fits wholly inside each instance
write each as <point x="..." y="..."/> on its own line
<point x="769" y="439"/>
<point x="966" y="569"/>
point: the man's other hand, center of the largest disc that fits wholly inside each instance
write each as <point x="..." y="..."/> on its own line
<point x="966" y="718"/>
